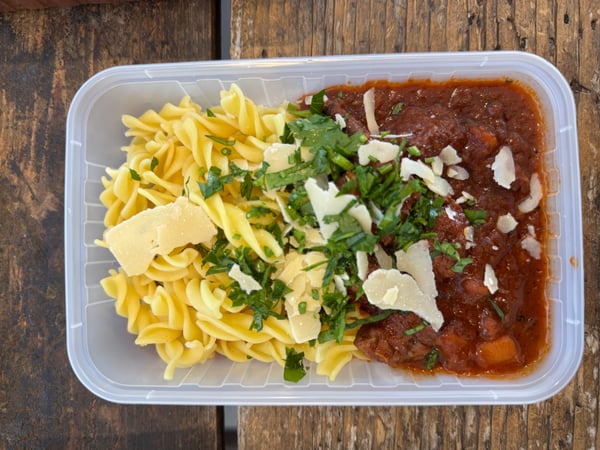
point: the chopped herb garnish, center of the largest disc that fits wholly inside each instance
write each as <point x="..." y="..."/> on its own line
<point x="451" y="250"/>
<point x="497" y="309"/>
<point x="413" y="151"/>
<point x="259" y="211"/>
<point x="397" y="108"/>
<point x="294" y="369"/>
<point x="317" y="102"/>
<point x="214" y="182"/>
<point x="134" y="175"/>
<point x="153" y="163"/>
<point x="222" y="141"/>
<point x="476" y="216"/>
<point x="432" y="358"/>
<point x="302" y="307"/>
<point x="416" y="329"/>
<point x="209" y="113"/>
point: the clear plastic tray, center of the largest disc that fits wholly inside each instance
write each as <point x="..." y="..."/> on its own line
<point x="103" y="355"/>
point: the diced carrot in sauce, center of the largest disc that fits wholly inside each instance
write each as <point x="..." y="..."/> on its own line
<point x="501" y="351"/>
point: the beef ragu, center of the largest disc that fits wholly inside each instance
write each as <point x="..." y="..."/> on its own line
<point x="494" y="327"/>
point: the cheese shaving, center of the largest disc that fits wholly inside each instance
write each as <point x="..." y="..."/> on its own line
<point x="416" y="261"/>
<point x="392" y="289"/>
<point x="532" y="246"/>
<point x="158" y="231"/>
<point x="449" y="156"/>
<point x="489" y="279"/>
<point x="535" y="195"/>
<point x="504" y="167"/>
<point x="380" y="150"/>
<point x="246" y="282"/>
<point x="506" y="223"/>
<point x="369" y="105"/>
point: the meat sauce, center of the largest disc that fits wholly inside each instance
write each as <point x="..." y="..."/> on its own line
<point x="483" y="332"/>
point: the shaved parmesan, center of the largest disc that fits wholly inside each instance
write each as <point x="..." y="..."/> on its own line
<point x="440" y="187"/>
<point x="465" y="197"/>
<point x="435" y="183"/>
<point x="362" y="263"/>
<point x="532" y="246"/>
<point x="158" y="231"/>
<point x="469" y="233"/>
<point x="504" y="167"/>
<point x="506" y="223"/>
<point x="416" y="261"/>
<point x="369" y="105"/>
<point x="410" y="167"/>
<point x="457" y="173"/>
<point x="380" y="150"/>
<point x="449" y="156"/>
<point x="535" y="195"/>
<point x="384" y="260"/>
<point x="246" y="282"/>
<point x="328" y="202"/>
<point x="437" y="166"/>
<point x="391" y="289"/>
<point x="450" y="213"/>
<point x="340" y="121"/>
<point x="489" y="279"/>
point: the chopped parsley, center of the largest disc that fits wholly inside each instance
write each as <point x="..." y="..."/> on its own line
<point x="432" y="358"/>
<point x="497" y="309"/>
<point x="451" y="249"/>
<point x="476" y="216"/>
<point x="214" y="182"/>
<point x="134" y="175"/>
<point x="294" y="369"/>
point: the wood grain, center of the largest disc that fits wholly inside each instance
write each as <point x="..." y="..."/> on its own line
<point x="566" y="33"/>
<point x="45" y="56"/>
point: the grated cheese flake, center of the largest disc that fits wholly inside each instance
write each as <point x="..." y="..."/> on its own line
<point x="504" y="167"/>
<point x="380" y="150"/>
<point x="535" y="195"/>
<point x="506" y="223"/>
<point x="489" y="279"/>
<point x="392" y="289"/>
<point x="369" y="105"/>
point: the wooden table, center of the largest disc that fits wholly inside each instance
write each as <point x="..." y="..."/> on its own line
<point x="45" y="55"/>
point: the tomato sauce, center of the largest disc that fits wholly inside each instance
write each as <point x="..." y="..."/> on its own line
<point x="483" y="332"/>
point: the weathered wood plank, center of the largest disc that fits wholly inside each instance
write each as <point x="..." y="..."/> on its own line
<point x="566" y="33"/>
<point x="45" y="55"/>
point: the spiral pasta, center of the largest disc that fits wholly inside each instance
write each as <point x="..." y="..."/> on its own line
<point x="178" y="304"/>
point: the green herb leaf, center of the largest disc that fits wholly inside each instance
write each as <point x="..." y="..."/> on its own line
<point x="222" y="141"/>
<point x="416" y="329"/>
<point x="432" y="358"/>
<point x="397" y="108"/>
<point x="214" y="182"/>
<point x="209" y="113"/>
<point x="294" y="369"/>
<point x="317" y="102"/>
<point x="302" y="307"/>
<point x="497" y="309"/>
<point x="134" y="175"/>
<point x="153" y="163"/>
<point x="476" y="216"/>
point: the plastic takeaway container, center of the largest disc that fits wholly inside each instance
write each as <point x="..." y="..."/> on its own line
<point x="103" y="355"/>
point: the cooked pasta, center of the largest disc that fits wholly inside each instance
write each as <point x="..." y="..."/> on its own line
<point x="183" y="303"/>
